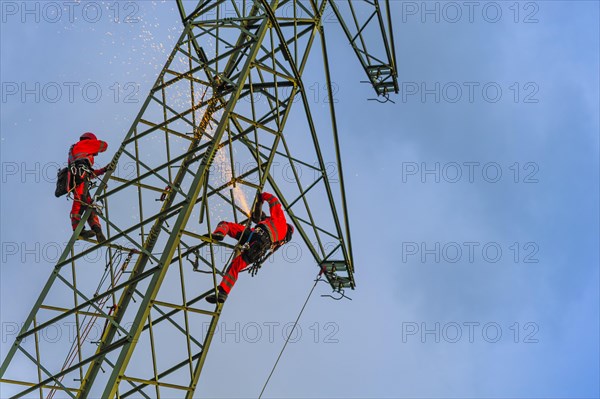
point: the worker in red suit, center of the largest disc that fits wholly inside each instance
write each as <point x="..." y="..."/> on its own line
<point x="270" y="233"/>
<point x="81" y="162"/>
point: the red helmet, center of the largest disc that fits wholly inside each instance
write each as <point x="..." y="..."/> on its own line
<point x="88" y="136"/>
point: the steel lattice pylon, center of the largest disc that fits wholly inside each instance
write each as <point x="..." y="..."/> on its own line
<point x="205" y="139"/>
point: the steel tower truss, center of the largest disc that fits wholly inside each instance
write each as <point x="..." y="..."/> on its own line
<point x="207" y="137"/>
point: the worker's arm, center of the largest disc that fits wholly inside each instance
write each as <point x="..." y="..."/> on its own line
<point x="102" y="145"/>
<point x="101" y="171"/>
<point x="93" y="146"/>
<point x="275" y="210"/>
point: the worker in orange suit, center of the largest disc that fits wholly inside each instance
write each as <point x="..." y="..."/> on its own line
<point x="270" y="233"/>
<point x="81" y="162"/>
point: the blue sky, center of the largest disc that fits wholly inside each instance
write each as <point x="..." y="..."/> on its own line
<point x="541" y="134"/>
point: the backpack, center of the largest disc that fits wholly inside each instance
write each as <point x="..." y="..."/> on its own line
<point x="70" y="176"/>
<point x="64" y="180"/>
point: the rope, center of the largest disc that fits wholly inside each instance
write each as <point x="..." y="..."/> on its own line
<point x="88" y="324"/>
<point x="290" y="334"/>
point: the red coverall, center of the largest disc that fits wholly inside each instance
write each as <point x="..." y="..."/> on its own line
<point x="276" y="228"/>
<point x="85" y="149"/>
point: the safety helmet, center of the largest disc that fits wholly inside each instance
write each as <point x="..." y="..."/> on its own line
<point x="289" y="233"/>
<point x="88" y="136"/>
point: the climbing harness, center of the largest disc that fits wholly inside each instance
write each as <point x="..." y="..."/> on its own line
<point x="255" y="267"/>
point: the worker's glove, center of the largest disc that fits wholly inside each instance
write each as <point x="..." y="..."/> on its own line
<point x="110" y="167"/>
<point x="257" y="213"/>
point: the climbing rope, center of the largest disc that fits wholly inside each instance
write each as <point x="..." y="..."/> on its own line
<point x="317" y="279"/>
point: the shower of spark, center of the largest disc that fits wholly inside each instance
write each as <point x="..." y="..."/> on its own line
<point x="222" y="160"/>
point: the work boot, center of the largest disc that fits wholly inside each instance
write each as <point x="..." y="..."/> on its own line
<point x="86" y="234"/>
<point x="222" y="296"/>
<point x="214" y="236"/>
<point x="99" y="235"/>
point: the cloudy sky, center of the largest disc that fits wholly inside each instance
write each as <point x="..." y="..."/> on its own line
<point x="473" y="199"/>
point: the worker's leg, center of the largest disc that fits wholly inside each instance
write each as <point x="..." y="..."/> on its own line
<point x="256" y="250"/>
<point x="93" y="220"/>
<point x="232" y="230"/>
<point x="258" y="247"/>
<point x="231" y="274"/>
<point x="76" y="209"/>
